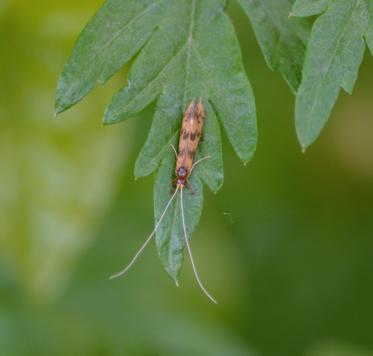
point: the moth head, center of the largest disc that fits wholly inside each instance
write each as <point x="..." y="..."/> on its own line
<point x="182" y="172"/>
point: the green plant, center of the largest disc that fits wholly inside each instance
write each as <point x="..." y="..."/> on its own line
<point x="188" y="48"/>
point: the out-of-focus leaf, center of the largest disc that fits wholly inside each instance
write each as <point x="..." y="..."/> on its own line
<point x="334" y="55"/>
<point x="282" y="39"/>
<point x="58" y="177"/>
<point x="338" y="349"/>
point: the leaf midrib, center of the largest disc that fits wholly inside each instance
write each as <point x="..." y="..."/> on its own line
<point x="189" y="43"/>
<point x="188" y="46"/>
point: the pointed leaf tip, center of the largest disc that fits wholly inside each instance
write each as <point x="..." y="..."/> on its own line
<point x="336" y="43"/>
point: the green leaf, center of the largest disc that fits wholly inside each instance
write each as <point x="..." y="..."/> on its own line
<point x="188" y="50"/>
<point x="305" y="8"/>
<point x="113" y="36"/>
<point x="334" y="54"/>
<point x="282" y="39"/>
<point x="170" y="235"/>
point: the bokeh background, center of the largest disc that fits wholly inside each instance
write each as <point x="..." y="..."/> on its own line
<point x="286" y="246"/>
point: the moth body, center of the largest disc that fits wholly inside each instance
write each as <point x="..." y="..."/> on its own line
<point x="190" y="134"/>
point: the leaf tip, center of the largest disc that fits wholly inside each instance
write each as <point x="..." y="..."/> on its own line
<point x="105" y="123"/>
<point x="62" y="99"/>
<point x="174" y="276"/>
<point x="58" y="108"/>
<point x="247" y="159"/>
<point x="111" y="116"/>
<point x="108" y="117"/>
<point x="305" y="137"/>
<point x="304" y="142"/>
<point x="216" y="190"/>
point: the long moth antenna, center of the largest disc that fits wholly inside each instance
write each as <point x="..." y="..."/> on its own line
<point x="142" y="248"/>
<point x="174" y="149"/>
<point x="197" y="162"/>
<point x="190" y="251"/>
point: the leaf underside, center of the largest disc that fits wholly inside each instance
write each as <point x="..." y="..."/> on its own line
<point x="334" y="54"/>
<point x="282" y="39"/>
<point x="184" y="50"/>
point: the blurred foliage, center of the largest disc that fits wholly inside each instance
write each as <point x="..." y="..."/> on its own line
<point x="286" y="246"/>
<point x="335" y="349"/>
<point x="57" y="178"/>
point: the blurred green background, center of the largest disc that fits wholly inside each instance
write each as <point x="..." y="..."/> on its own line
<point x="286" y="246"/>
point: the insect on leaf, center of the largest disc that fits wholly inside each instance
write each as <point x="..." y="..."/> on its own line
<point x="170" y="242"/>
<point x="334" y="54"/>
<point x="185" y="50"/>
<point x="282" y="39"/>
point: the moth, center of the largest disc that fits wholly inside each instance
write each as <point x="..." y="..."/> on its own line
<point x="190" y="134"/>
